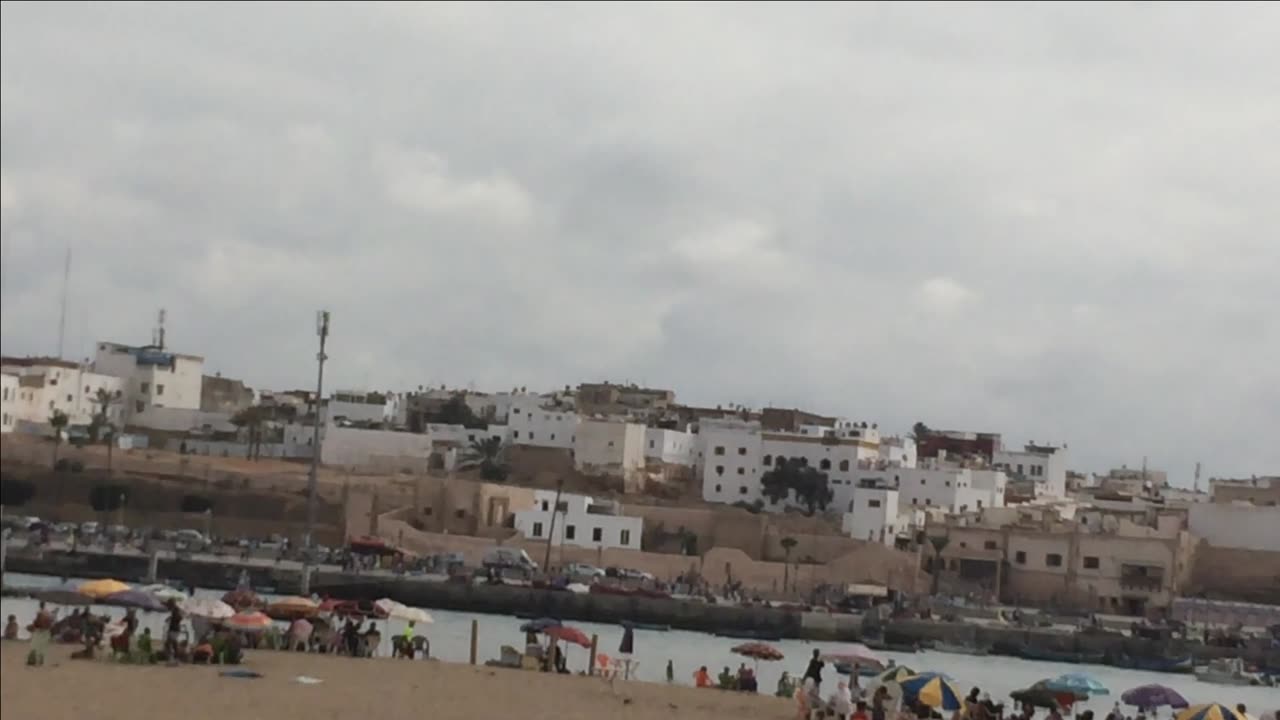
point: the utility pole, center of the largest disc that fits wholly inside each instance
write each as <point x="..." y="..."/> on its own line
<point x="551" y="532"/>
<point x="322" y="330"/>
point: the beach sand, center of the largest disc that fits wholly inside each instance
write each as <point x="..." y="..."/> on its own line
<point x="364" y="689"/>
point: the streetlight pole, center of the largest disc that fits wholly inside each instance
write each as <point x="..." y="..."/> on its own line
<point x="322" y="330"/>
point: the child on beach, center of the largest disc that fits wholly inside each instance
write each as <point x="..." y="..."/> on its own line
<point x="11" y="628"/>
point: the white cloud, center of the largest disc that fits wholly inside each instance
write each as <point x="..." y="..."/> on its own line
<point x="421" y="180"/>
<point x="944" y="295"/>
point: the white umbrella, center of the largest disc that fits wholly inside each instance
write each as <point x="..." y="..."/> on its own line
<point x="393" y="609"/>
<point x="210" y="608"/>
<point x="164" y="593"/>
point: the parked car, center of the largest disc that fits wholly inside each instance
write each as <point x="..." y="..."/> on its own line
<point x="631" y="574"/>
<point x="117" y="532"/>
<point x="583" y="570"/>
<point x="190" y="539"/>
<point x="89" y="529"/>
<point x="505" y="557"/>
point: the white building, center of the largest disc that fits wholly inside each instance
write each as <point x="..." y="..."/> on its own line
<point x="953" y="489"/>
<point x="355" y="406"/>
<point x="161" y="389"/>
<point x="47" y="385"/>
<point x="538" y="426"/>
<point x="1239" y="526"/>
<point x="8" y="401"/>
<point x="898" y="451"/>
<point x="581" y="521"/>
<point x="608" y="447"/>
<point x="872" y="514"/>
<point x="1045" y="465"/>
<point x="670" y="447"/>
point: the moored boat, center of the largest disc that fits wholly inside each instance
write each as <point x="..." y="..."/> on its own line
<point x="959" y="649"/>
<point x="1227" y="671"/>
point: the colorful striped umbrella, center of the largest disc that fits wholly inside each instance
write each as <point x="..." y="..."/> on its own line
<point x="893" y="674"/>
<point x="757" y="651"/>
<point x="1210" y="711"/>
<point x="854" y="654"/>
<point x="249" y="621"/>
<point x="933" y="689"/>
<point x="211" y="608"/>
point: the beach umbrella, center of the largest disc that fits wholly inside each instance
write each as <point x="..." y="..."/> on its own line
<point x="163" y="593"/>
<point x="392" y="609"/>
<point x="101" y="588"/>
<point x="933" y="689"/>
<point x="133" y="599"/>
<point x="210" y="608"/>
<point x="539" y="625"/>
<point x="1153" y="696"/>
<point x="242" y="598"/>
<point x="758" y="651"/>
<point x="292" y="608"/>
<point x="1210" y="711"/>
<point x="893" y="675"/>
<point x="249" y="621"/>
<point x="1038" y="696"/>
<point x="568" y="634"/>
<point x="1078" y="683"/>
<point x="855" y="654"/>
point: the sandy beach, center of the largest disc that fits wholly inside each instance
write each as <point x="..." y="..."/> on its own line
<point x="66" y="688"/>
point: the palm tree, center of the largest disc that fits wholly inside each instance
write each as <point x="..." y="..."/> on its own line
<point x="251" y="418"/>
<point x="939" y="543"/>
<point x="788" y="544"/>
<point x="489" y="455"/>
<point x="104" y="399"/>
<point x="58" y="420"/>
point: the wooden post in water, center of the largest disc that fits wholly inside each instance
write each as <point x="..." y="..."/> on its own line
<point x="591" y="666"/>
<point x="475" y="636"/>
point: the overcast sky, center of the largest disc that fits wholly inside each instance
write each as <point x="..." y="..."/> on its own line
<point x="1060" y="222"/>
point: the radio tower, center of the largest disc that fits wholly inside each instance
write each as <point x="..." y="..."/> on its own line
<point x="1196" y="485"/>
<point x="62" y="315"/>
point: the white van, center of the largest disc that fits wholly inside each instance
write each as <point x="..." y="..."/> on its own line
<point x="505" y="557"/>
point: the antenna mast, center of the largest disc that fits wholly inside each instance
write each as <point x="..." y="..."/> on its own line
<point x="157" y="335"/>
<point x="1196" y="486"/>
<point x="62" y="315"/>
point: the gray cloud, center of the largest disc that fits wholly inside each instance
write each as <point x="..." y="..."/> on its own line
<point x="1053" y="220"/>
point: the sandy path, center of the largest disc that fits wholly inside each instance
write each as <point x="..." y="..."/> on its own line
<point x="363" y="689"/>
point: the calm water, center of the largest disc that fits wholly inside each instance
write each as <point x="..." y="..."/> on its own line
<point x="450" y="641"/>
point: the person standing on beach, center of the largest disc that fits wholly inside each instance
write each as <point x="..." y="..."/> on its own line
<point x="814" y="671"/>
<point x="39" y="628"/>
<point x="173" y="633"/>
<point x="671" y="670"/>
<point x="11" y="632"/>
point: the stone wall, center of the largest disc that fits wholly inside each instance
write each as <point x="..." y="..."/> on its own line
<point x="1229" y="574"/>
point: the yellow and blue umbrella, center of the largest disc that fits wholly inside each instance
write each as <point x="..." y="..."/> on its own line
<point x="1211" y="711"/>
<point x="894" y="674"/>
<point x="936" y="690"/>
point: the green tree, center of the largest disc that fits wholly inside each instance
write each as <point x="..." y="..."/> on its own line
<point x="102" y="426"/>
<point x="456" y="411"/>
<point x="810" y="486"/>
<point x="488" y="454"/>
<point x="919" y="431"/>
<point x="252" y="419"/>
<point x="939" y="543"/>
<point x="788" y="544"/>
<point x="58" y="421"/>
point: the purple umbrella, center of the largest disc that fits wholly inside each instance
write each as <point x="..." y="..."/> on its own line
<point x="135" y="599"/>
<point x="1153" y="696"/>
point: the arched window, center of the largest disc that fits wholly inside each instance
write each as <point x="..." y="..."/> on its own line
<point x="844" y="466"/>
<point x="825" y="464"/>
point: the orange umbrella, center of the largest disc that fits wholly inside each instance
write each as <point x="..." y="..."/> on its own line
<point x="101" y="588"/>
<point x="292" y="608"/>
<point x="249" y="621"/>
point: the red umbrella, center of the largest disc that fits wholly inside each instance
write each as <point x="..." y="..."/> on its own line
<point x="568" y="634"/>
<point x="248" y="621"/>
<point x="758" y="651"/>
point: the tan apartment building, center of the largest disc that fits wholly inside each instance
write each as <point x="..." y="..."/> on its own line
<point x="1257" y="490"/>
<point x="1092" y="561"/>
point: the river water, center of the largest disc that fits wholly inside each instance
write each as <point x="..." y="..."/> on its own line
<point x="450" y="638"/>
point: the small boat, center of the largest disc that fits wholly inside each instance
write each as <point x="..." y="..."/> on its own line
<point x="897" y="647"/>
<point x="1153" y="664"/>
<point x="761" y="635"/>
<point x="1063" y="656"/>
<point x="959" y="649"/>
<point x="863" y="670"/>
<point x="1227" y="671"/>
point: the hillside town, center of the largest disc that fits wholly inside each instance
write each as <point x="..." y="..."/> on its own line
<point x="778" y="500"/>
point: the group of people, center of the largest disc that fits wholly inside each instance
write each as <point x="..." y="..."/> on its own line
<point x="742" y="681"/>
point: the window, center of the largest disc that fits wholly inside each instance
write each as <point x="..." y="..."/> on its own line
<point x="1019" y="468"/>
<point x="537" y="529"/>
<point x="989" y="545"/>
<point x="873" y="503"/>
<point x="610" y="442"/>
<point x="68" y="397"/>
<point x="979" y="504"/>
<point x="742" y="490"/>
<point x="923" y="481"/>
<point x="825" y="464"/>
<point x="742" y="471"/>
<point x="1090" y="563"/>
<point x="159" y="389"/>
<point x="545" y="506"/>
<point x="719" y="449"/>
<point x="460" y="514"/>
<point x="742" y="451"/>
<point x="515" y="434"/>
<point x="947" y="483"/>
<point x="719" y="469"/>
<point x="553" y="437"/>
<point x="844" y="466"/>
<point x="624" y="537"/>
<point x="145" y="387"/>
<point x="6" y="392"/>
<point x="717" y="488"/>
<point x="913" y="501"/>
<point x="928" y="501"/>
<point x="139" y="406"/>
<point x="597" y="534"/>
<point x="1020" y="557"/>
<point x="650" y="444"/>
<point x="964" y="544"/>
<point x="570" y="532"/>
<point x="768" y="460"/>
<point x="1053" y="560"/>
